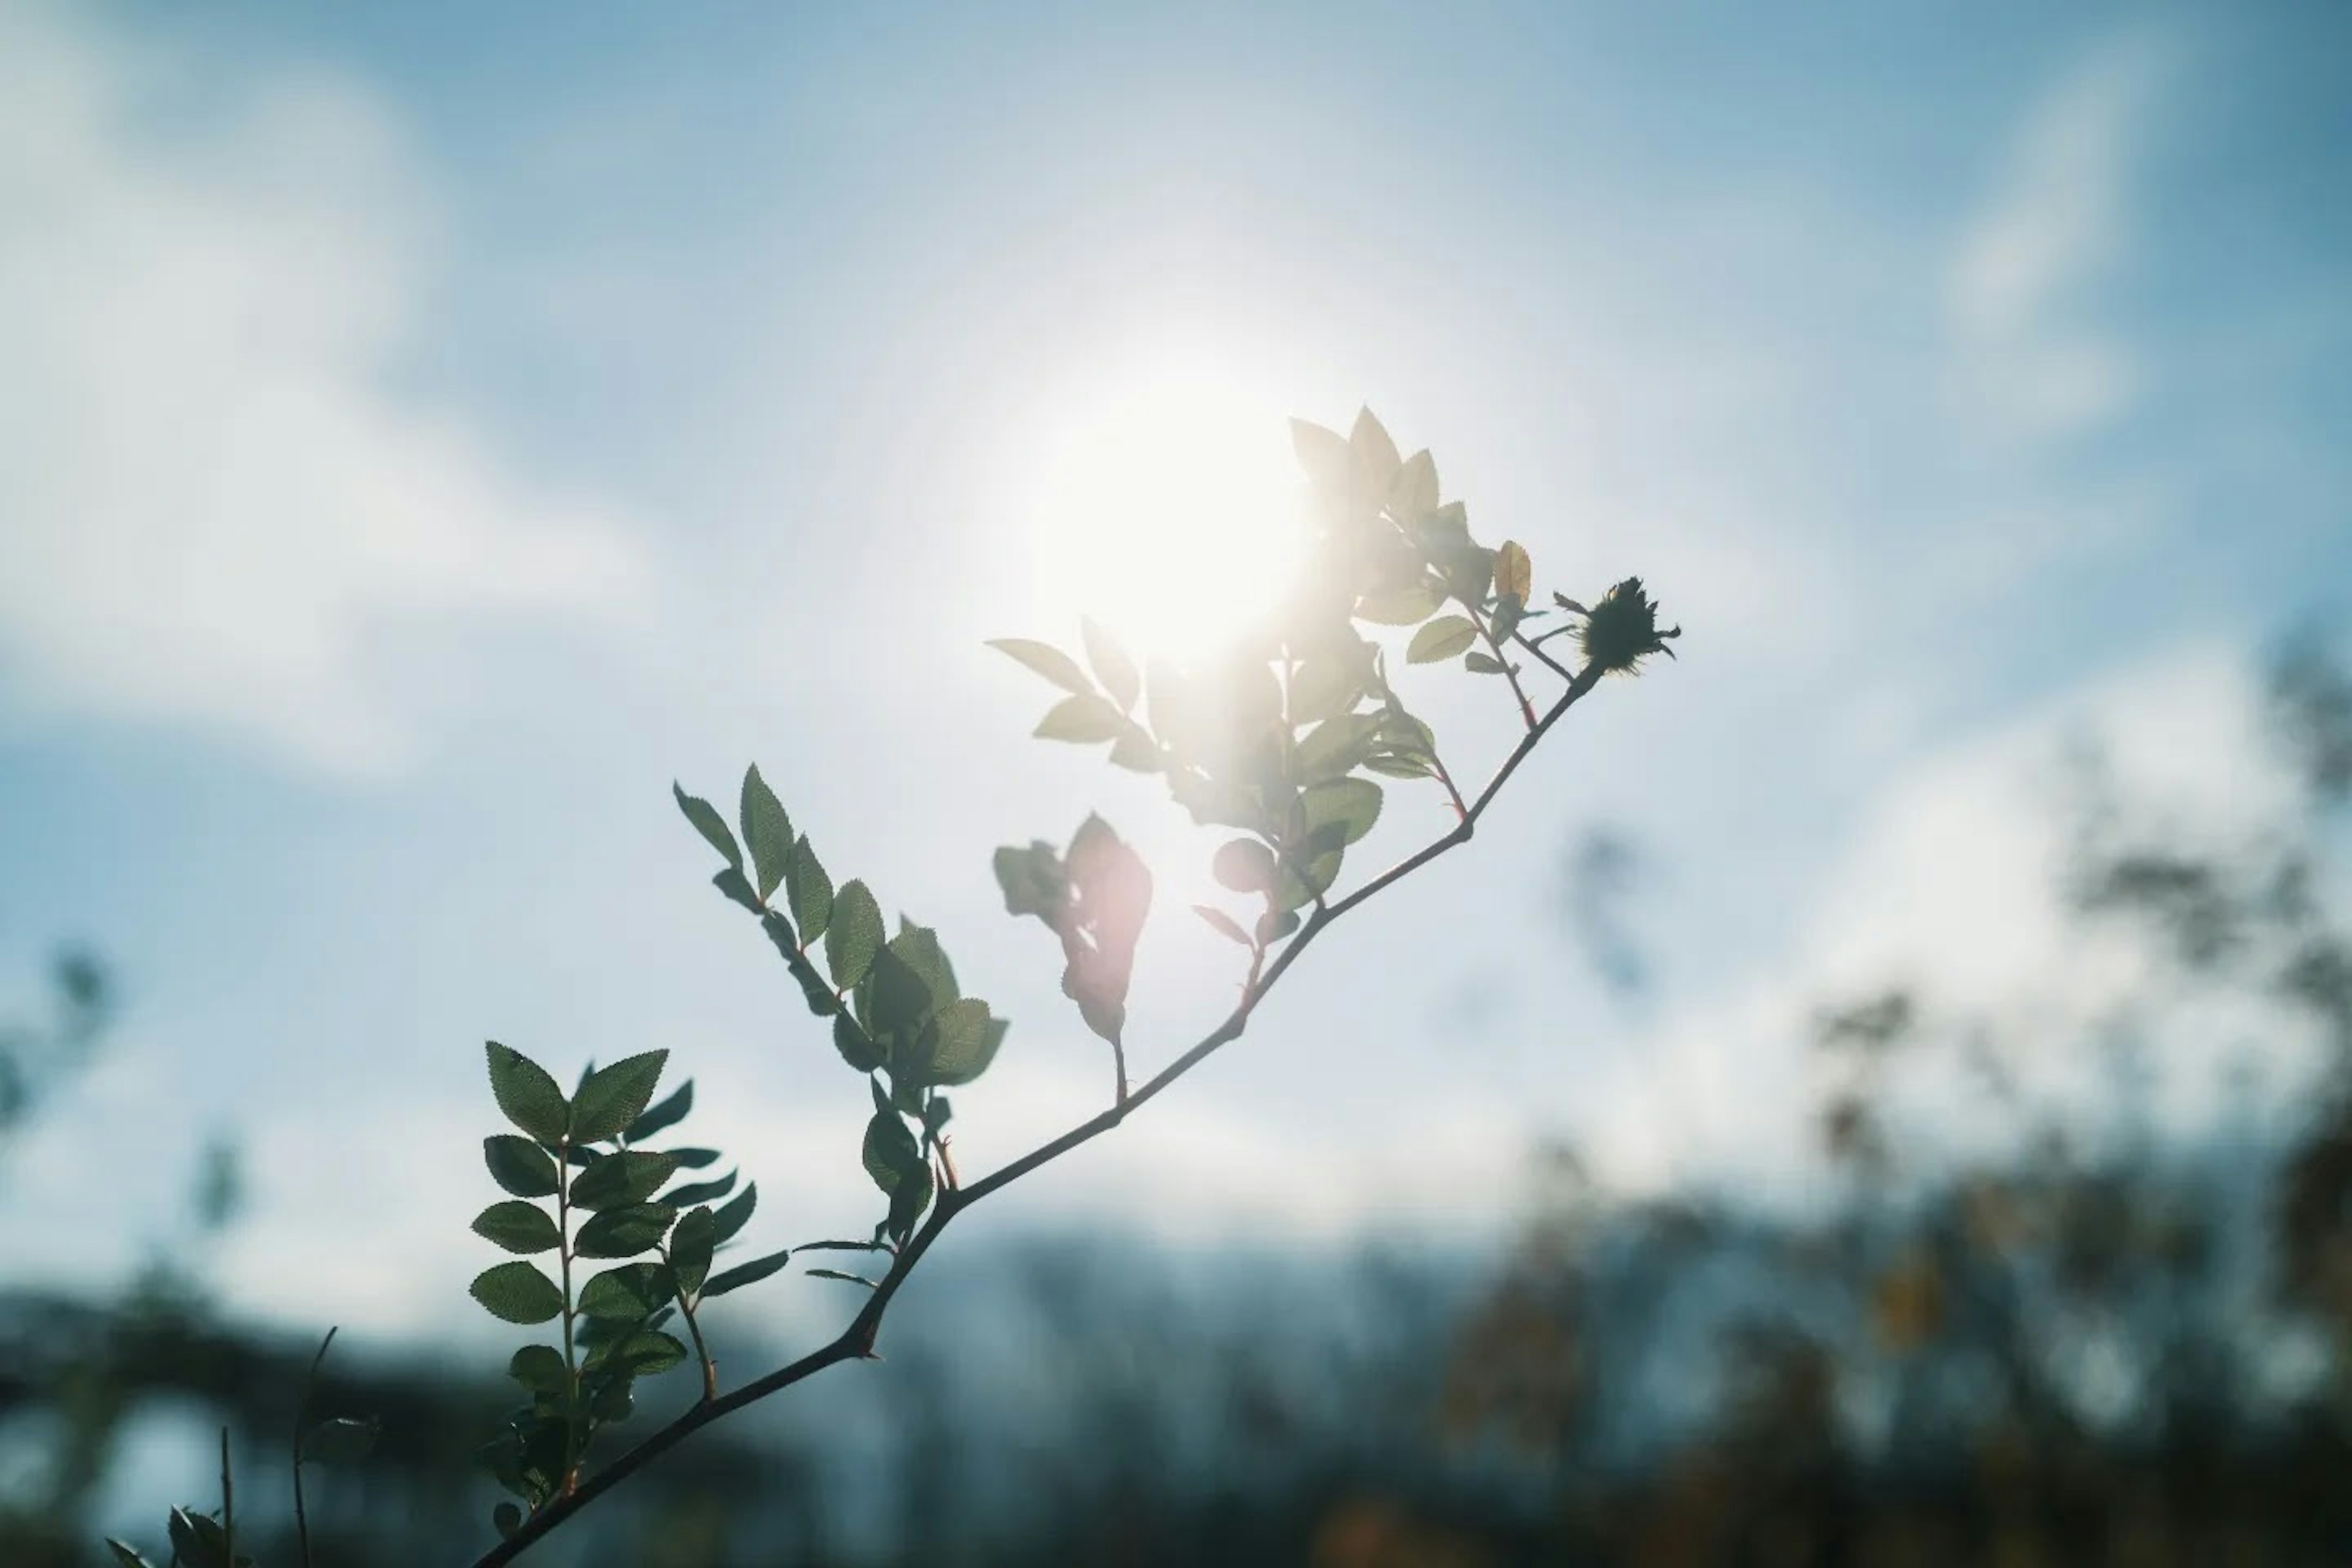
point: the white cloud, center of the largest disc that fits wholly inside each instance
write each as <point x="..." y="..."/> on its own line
<point x="2033" y="357"/>
<point x="216" y="505"/>
<point x="1955" y="885"/>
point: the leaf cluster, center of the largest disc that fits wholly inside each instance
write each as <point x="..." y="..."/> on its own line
<point x="582" y="1187"/>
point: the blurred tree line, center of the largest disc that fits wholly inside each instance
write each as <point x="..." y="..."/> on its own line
<point x="2093" y="1337"/>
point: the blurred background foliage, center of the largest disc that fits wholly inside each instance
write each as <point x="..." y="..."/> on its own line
<point x="2082" y="1339"/>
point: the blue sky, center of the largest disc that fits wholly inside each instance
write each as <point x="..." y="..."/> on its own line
<point x="428" y="433"/>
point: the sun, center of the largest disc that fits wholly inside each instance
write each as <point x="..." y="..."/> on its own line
<point x="1165" y="504"/>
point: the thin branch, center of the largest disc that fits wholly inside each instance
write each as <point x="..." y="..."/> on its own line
<point x="302" y="1428"/>
<point x="228" y="1504"/>
<point x="1486" y="630"/>
<point x="855" y="1343"/>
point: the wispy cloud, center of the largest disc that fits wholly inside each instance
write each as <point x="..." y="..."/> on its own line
<point x="2035" y="353"/>
<point x="214" y="503"/>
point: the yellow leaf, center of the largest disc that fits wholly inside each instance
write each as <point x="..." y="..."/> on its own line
<point x="1514" y="573"/>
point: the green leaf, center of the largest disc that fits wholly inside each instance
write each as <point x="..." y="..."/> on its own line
<point x="1048" y="661"/>
<point x="124" y="1556"/>
<point x="853" y="935"/>
<point x="1481" y="664"/>
<point x="690" y="1246"/>
<point x="1083" y="721"/>
<point x="624" y="1232"/>
<point x="520" y="1166"/>
<point x="1440" y="639"/>
<point x="518" y="1226"/>
<point x="615" y="1096"/>
<point x="700" y="1192"/>
<point x="1223" y="925"/>
<point x="845" y="1278"/>
<point x="711" y="824"/>
<point x="198" y="1540"/>
<point x="966" y="1041"/>
<point x="744" y="1274"/>
<point x="342" y="1441"/>
<point x="1350" y="805"/>
<point x="1113" y="668"/>
<point x="631" y="1293"/>
<point x="1245" y="865"/>
<point x="1274" y="927"/>
<point x="890" y="1152"/>
<point x="734" y="1215"/>
<point x="735" y="889"/>
<point x="540" y="1369"/>
<point x="810" y="890"/>
<point x="645" y="1354"/>
<point x="907" y="1203"/>
<point x="1335" y="746"/>
<point x="919" y="947"/>
<point x="695" y="1159"/>
<point x="897" y="1002"/>
<point x="527" y="1094"/>
<point x="517" y="1292"/>
<point x="858" y="1048"/>
<point x="1324" y="687"/>
<point x="672" y="1111"/>
<point x="1319" y="872"/>
<point x="630" y="1177"/>
<point x="1514" y="573"/>
<point x="1033" y="880"/>
<point x="767" y="831"/>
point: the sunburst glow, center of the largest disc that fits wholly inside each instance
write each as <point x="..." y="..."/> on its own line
<point x="1166" y="505"/>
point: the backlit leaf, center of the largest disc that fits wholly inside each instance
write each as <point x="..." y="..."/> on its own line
<point x="1113" y="668"/>
<point x="1245" y="865"/>
<point x="1082" y="720"/>
<point x="1222" y="923"/>
<point x="1048" y="661"/>
<point x="1349" y="805"/>
<point x="1412" y="495"/>
<point x="1514" y="573"/>
<point x="1376" y="455"/>
<point x="1440" y="639"/>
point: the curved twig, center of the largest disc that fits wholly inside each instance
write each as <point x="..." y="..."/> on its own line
<point x="855" y="1343"/>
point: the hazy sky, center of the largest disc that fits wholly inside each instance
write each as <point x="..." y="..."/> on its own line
<point x="427" y="430"/>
